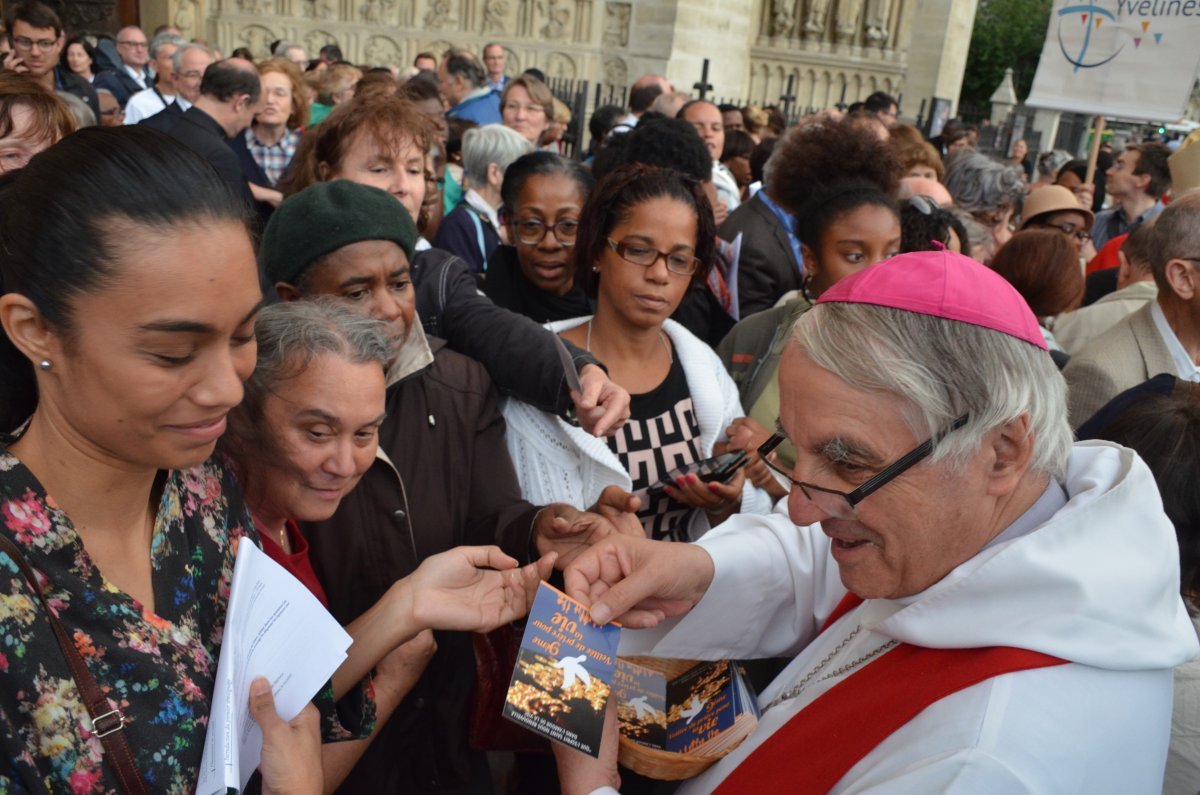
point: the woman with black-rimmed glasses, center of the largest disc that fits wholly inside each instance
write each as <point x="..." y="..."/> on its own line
<point x="542" y="199"/>
<point x="644" y="236"/>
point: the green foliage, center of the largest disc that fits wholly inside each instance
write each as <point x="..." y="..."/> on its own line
<point x="1007" y="33"/>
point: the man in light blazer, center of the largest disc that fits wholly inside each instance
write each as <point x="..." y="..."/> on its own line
<point x="770" y="262"/>
<point x="1163" y="336"/>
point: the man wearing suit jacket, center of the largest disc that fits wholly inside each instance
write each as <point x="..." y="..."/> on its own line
<point x="1163" y="337"/>
<point x="770" y="262"/>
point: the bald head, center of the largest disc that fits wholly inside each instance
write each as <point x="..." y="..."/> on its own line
<point x="645" y="90"/>
<point x="133" y="47"/>
<point x="923" y="186"/>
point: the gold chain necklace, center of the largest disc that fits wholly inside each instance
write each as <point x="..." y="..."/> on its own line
<point x="798" y="688"/>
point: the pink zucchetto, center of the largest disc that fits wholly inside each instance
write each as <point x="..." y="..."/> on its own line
<point x="941" y="284"/>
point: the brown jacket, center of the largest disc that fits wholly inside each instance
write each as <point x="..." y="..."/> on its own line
<point x="442" y="479"/>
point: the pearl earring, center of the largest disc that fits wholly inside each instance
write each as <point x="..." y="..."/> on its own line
<point x="45" y="364"/>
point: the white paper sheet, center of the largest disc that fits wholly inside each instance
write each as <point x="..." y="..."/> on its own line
<point x="275" y="628"/>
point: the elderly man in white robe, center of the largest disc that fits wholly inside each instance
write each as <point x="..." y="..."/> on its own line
<point x="974" y="604"/>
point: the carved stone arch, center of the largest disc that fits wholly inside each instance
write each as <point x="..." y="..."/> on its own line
<point x="512" y="62"/>
<point x="855" y="93"/>
<point x="808" y="88"/>
<point x="823" y="96"/>
<point x="559" y="64"/>
<point x="383" y="51"/>
<point x="257" y="38"/>
<point x="314" y="40"/>
<point x="616" y="71"/>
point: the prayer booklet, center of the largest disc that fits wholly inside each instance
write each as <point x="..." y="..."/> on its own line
<point x="274" y="627"/>
<point x="705" y="711"/>
<point x="564" y="669"/>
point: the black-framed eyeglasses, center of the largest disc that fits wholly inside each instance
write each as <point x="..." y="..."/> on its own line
<point x="1071" y="230"/>
<point x="531" y="231"/>
<point x="25" y="44"/>
<point x="841" y="504"/>
<point x="678" y="262"/>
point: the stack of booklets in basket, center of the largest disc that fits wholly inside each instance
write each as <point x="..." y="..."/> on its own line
<point x="704" y="711"/>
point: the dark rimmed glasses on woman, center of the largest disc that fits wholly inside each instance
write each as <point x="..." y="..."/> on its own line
<point x="842" y="504"/>
<point x="533" y="231"/>
<point x="679" y="262"/>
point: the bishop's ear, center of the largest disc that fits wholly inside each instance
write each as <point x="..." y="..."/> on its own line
<point x="1010" y="453"/>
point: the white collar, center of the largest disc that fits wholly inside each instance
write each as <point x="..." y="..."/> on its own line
<point x="140" y="77"/>
<point x="480" y="205"/>
<point x="1185" y="368"/>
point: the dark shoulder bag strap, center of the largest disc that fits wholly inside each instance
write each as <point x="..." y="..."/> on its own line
<point x="106" y="723"/>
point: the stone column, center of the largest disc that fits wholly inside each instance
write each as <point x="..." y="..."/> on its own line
<point x="937" y="56"/>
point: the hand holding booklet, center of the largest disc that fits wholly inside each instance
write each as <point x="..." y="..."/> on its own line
<point x="561" y="680"/>
<point x="274" y="627"/>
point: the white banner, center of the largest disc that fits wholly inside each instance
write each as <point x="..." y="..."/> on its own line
<point x="1123" y="58"/>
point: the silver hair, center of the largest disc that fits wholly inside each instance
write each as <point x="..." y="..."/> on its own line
<point x="493" y="143"/>
<point x="942" y="369"/>
<point x="1176" y="235"/>
<point x="1050" y="163"/>
<point x="162" y="40"/>
<point x="282" y="47"/>
<point x="981" y="184"/>
<point x="292" y="335"/>
<point x="84" y="117"/>
<point x="177" y="58"/>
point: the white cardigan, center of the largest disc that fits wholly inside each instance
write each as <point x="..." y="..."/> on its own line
<point x="558" y="462"/>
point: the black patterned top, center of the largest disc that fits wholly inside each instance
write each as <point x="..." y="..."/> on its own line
<point x="661" y="435"/>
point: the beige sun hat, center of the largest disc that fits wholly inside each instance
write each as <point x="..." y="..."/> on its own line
<point x="1052" y="199"/>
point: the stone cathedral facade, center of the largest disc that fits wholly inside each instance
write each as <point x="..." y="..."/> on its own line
<point x="832" y="49"/>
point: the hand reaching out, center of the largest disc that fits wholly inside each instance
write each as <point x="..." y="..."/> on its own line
<point x="603" y="406"/>
<point x="474" y="589"/>
<point x="562" y="529"/>
<point x="746" y="433"/>
<point x="637" y="581"/>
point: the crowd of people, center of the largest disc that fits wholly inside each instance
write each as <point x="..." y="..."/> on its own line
<point x="377" y="323"/>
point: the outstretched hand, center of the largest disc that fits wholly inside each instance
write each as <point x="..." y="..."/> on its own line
<point x="639" y="582"/>
<point x="603" y="406"/>
<point x="564" y="530"/>
<point x="474" y="589"/>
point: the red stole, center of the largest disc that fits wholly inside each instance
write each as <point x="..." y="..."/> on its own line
<point x="818" y="745"/>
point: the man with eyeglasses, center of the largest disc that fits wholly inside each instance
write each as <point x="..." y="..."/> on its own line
<point x="1161" y="337"/>
<point x="36" y="37"/>
<point x="188" y="63"/>
<point x="974" y="603"/>
<point x="132" y="75"/>
<point x="159" y="96"/>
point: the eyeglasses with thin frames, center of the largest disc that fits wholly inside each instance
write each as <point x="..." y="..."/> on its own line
<point x="532" y="232"/>
<point x="27" y="45"/>
<point x="842" y="504"/>
<point x="1071" y="230"/>
<point x="640" y="254"/>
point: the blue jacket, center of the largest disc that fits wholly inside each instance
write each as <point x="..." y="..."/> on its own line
<point x="481" y="109"/>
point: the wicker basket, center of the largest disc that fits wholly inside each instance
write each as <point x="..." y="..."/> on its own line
<point x="651" y="762"/>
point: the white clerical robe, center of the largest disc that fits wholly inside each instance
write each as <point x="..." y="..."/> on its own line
<point x="1089" y="574"/>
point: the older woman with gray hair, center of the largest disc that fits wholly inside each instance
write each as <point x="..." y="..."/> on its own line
<point x="472" y="230"/>
<point x="990" y="190"/>
<point x="999" y="596"/>
<point x="301" y="439"/>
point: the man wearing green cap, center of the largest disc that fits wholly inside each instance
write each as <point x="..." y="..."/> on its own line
<point x="441" y="478"/>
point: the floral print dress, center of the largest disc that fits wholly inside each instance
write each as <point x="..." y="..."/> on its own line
<point x="157" y="666"/>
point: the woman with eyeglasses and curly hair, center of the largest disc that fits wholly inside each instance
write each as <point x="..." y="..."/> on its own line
<point x="534" y="275"/>
<point x="645" y="234"/>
